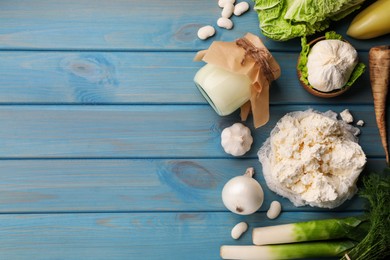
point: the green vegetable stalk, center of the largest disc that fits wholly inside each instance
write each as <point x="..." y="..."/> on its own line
<point x="287" y="251"/>
<point x="353" y="228"/>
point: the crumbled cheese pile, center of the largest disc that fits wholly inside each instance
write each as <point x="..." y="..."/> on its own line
<point x="312" y="159"/>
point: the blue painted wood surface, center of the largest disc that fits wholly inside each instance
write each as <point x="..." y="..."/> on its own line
<point x="107" y="149"/>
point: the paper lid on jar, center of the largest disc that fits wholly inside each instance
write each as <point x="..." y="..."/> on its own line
<point x="250" y="57"/>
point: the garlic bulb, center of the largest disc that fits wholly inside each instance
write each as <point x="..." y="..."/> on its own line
<point x="330" y="63"/>
<point x="236" y="139"/>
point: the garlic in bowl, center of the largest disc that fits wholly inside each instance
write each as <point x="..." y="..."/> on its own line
<point x="328" y="66"/>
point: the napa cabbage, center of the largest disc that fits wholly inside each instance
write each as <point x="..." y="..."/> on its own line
<point x="282" y="20"/>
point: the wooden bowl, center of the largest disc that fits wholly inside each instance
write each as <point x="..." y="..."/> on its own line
<point x="312" y="90"/>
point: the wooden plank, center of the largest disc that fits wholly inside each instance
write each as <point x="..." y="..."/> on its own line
<point x="108" y="151"/>
<point x="134" y="78"/>
<point x="129" y="25"/>
<point x="182" y="235"/>
<point x="140" y="131"/>
<point x="30" y="186"/>
<point x="98" y="78"/>
<point x="115" y="25"/>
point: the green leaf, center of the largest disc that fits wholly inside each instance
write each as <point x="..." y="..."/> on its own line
<point x="315" y="249"/>
<point x="357" y="72"/>
<point x="303" y="60"/>
<point x="282" y="20"/>
<point x="354" y="228"/>
<point x="332" y="35"/>
<point x="376" y="245"/>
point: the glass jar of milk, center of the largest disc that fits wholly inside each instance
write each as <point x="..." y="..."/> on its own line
<point x="225" y="91"/>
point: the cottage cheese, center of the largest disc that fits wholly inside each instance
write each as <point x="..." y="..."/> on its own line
<point x="346" y="116"/>
<point x="360" y="123"/>
<point x="312" y="159"/>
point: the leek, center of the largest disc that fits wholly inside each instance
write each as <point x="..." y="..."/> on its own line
<point x="287" y="251"/>
<point x="354" y="228"/>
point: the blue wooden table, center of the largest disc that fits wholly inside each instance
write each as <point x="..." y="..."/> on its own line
<point x="108" y="150"/>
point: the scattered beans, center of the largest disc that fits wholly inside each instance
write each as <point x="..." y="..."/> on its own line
<point x="239" y="229"/>
<point x="274" y="210"/>
<point x="206" y="32"/>
<point x="227" y="10"/>
<point x="225" y="23"/>
<point x="221" y="3"/>
<point x="240" y="8"/>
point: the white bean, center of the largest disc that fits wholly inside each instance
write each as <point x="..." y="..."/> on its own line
<point x="274" y="210"/>
<point x="239" y="229"/>
<point x="225" y="23"/>
<point x="227" y="10"/>
<point x="206" y="32"/>
<point x="241" y="8"/>
<point x="221" y="3"/>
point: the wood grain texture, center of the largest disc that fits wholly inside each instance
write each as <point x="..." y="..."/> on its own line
<point x="140" y="131"/>
<point x="128" y="25"/>
<point x="30" y="186"/>
<point x="108" y="150"/>
<point x="136" y="78"/>
<point x="189" y="235"/>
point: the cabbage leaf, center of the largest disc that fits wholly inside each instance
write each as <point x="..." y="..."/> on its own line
<point x="282" y="20"/>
